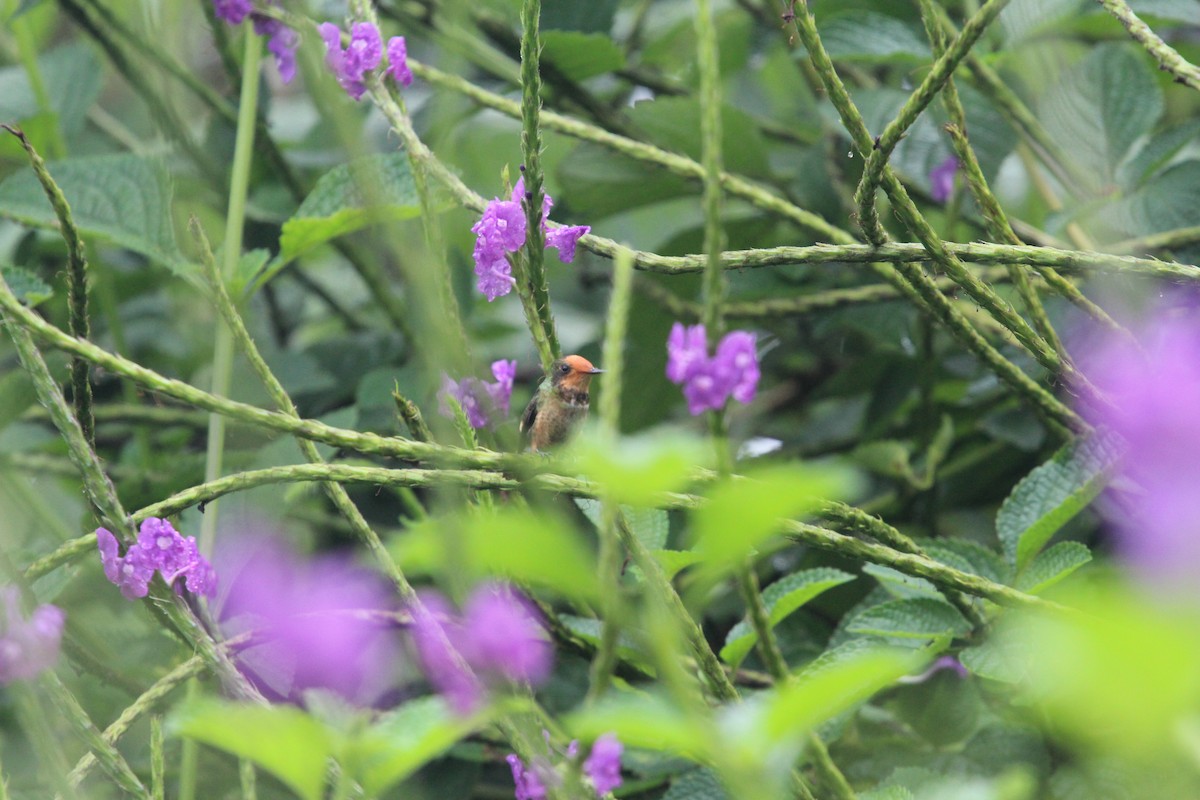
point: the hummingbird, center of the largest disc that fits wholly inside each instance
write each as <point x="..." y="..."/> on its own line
<point x="559" y="404"/>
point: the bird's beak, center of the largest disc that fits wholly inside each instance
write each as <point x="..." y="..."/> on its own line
<point x="594" y="371"/>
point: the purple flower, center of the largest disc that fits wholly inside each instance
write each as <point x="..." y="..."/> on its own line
<point x="498" y="638"/>
<point x="282" y="42"/>
<point x="362" y="55"/>
<point x="159" y="548"/>
<point x="316" y="624"/>
<point x="603" y="764"/>
<point x="1155" y="393"/>
<point x="528" y="785"/>
<point x="503" y="635"/>
<point x="28" y="646"/>
<point x="709" y="382"/>
<point x="480" y="401"/>
<point x="233" y="11"/>
<point x="502" y="230"/>
<point x="397" y="56"/>
<point x="941" y="179"/>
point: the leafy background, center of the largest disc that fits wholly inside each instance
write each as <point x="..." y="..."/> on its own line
<point x="134" y="106"/>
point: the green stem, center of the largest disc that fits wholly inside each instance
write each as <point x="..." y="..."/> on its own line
<point x="157" y="760"/>
<point x="46" y="744"/>
<point x="1167" y="57"/>
<point x="531" y="153"/>
<point x="236" y="329"/>
<point x="247" y="779"/>
<point x="77" y="273"/>
<point x="235" y="217"/>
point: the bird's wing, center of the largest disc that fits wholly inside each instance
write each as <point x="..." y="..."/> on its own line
<point x="530" y="415"/>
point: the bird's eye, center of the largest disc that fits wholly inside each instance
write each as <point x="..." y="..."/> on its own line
<point x="564" y="368"/>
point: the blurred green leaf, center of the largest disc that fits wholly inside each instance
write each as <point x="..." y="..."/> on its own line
<point x="570" y="15"/>
<point x="27" y="286"/>
<point x="1052" y="494"/>
<point x="1052" y="566"/>
<point x="911" y="618"/>
<point x="580" y="56"/>
<point x="1100" y="107"/>
<point x="1156" y="153"/>
<point x="72" y="75"/>
<point x="696" y="784"/>
<point x="124" y="199"/>
<point x="367" y="191"/>
<point x="403" y="740"/>
<point x="781" y="598"/>
<point x="283" y="740"/>
<point x="741" y="514"/>
<point x="649" y="525"/>
<point x="1168" y="201"/>
<point x="642" y="720"/>
<point x="873" y="37"/>
<point x="637" y="470"/>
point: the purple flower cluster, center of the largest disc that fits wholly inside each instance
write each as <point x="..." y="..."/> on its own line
<point x="28" y="646"/>
<point x="159" y="548"/>
<point x="602" y="767"/>
<point x="498" y="638"/>
<point x="480" y="401"/>
<point x="315" y="624"/>
<point x="1154" y="391"/>
<point x="364" y="53"/>
<point x="709" y="382"/>
<point x="502" y="230"/>
<point x="281" y="40"/>
<point x="941" y="179"/>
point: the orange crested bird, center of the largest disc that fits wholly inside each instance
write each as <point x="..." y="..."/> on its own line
<point x="559" y="404"/>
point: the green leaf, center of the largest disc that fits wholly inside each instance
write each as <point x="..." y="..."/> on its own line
<point x="580" y="56"/>
<point x="124" y="199"/>
<point x="674" y="561"/>
<point x="781" y="598"/>
<point x="869" y="36"/>
<point x="589" y="629"/>
<point x="649" y="525"/>
<point x="1168" y="201"/>
<point x="1052" y="494"/>
<point x="1156" y="153"/>
<point x="249" y="265"/>
<point x="637" y="470"/>
<point x="1006" y="661"/>
<point x="696" y="784"/>
<point x="888" y="793"/>
<point x="350" y="197"/>
<point x="404" y="740"/>
<point x="72" y="76"/>
<point x="283" y="740"/>
<point x="642" y="720"/>
<point x="28" y="287"/>
<point x="740" y="514"/>
<point x="912" y="618"/>
<point x="1100" y="107"/>
<point x="1052" y="565"/>
<point x="822" y="694"/>
<point x="595" y="16"/>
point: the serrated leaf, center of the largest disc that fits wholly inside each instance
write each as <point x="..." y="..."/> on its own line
<point x="912" y="618"/>
<point x="1156" y="153"/>
<point x="72" y="77"/>
<point x="350" y="197"/>
<point x="1004" y="661"/>
<point x="404" y="740"/>
<point x="900" y="585"/>
<point x="580" y="56"/>
<point x="873" y="37"/>
<point x="696" y="784"/>
<point x="27" y="286"/>
<point x="1052" y="494"/>
<point x="782" y="598"/>
<point x="649" y="525"/>
<point x="589" y="629"/>
<point x="283" y="740"/>
<point x="1100" y="107"/>
<point x="1052" y="566"/>
<point x="675" y="561"/>
<point x="1168" y="201"/>
<point x="124" y="199"/>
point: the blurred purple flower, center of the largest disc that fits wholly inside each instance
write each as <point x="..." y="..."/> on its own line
<point x="941" y="179"/>
<point x="362" y="55"/>
<point x="397" y="56"/>
<point x="709" y="382"/>
<point x="159" y="548"/>
<point x="528" y="785"/>
<point x="603" y="764"/>
<point x="28" y="646"/>
<point x="233" y="11"/>
<point x="499" y="638"/>
<point x="1155" y="393"/>
<point x="943" y="663"/>
<point x="480" y="401"/>
<point x="502" y="229"/>
<point x="317" y="623"/>
<point x="282" y="41"/>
